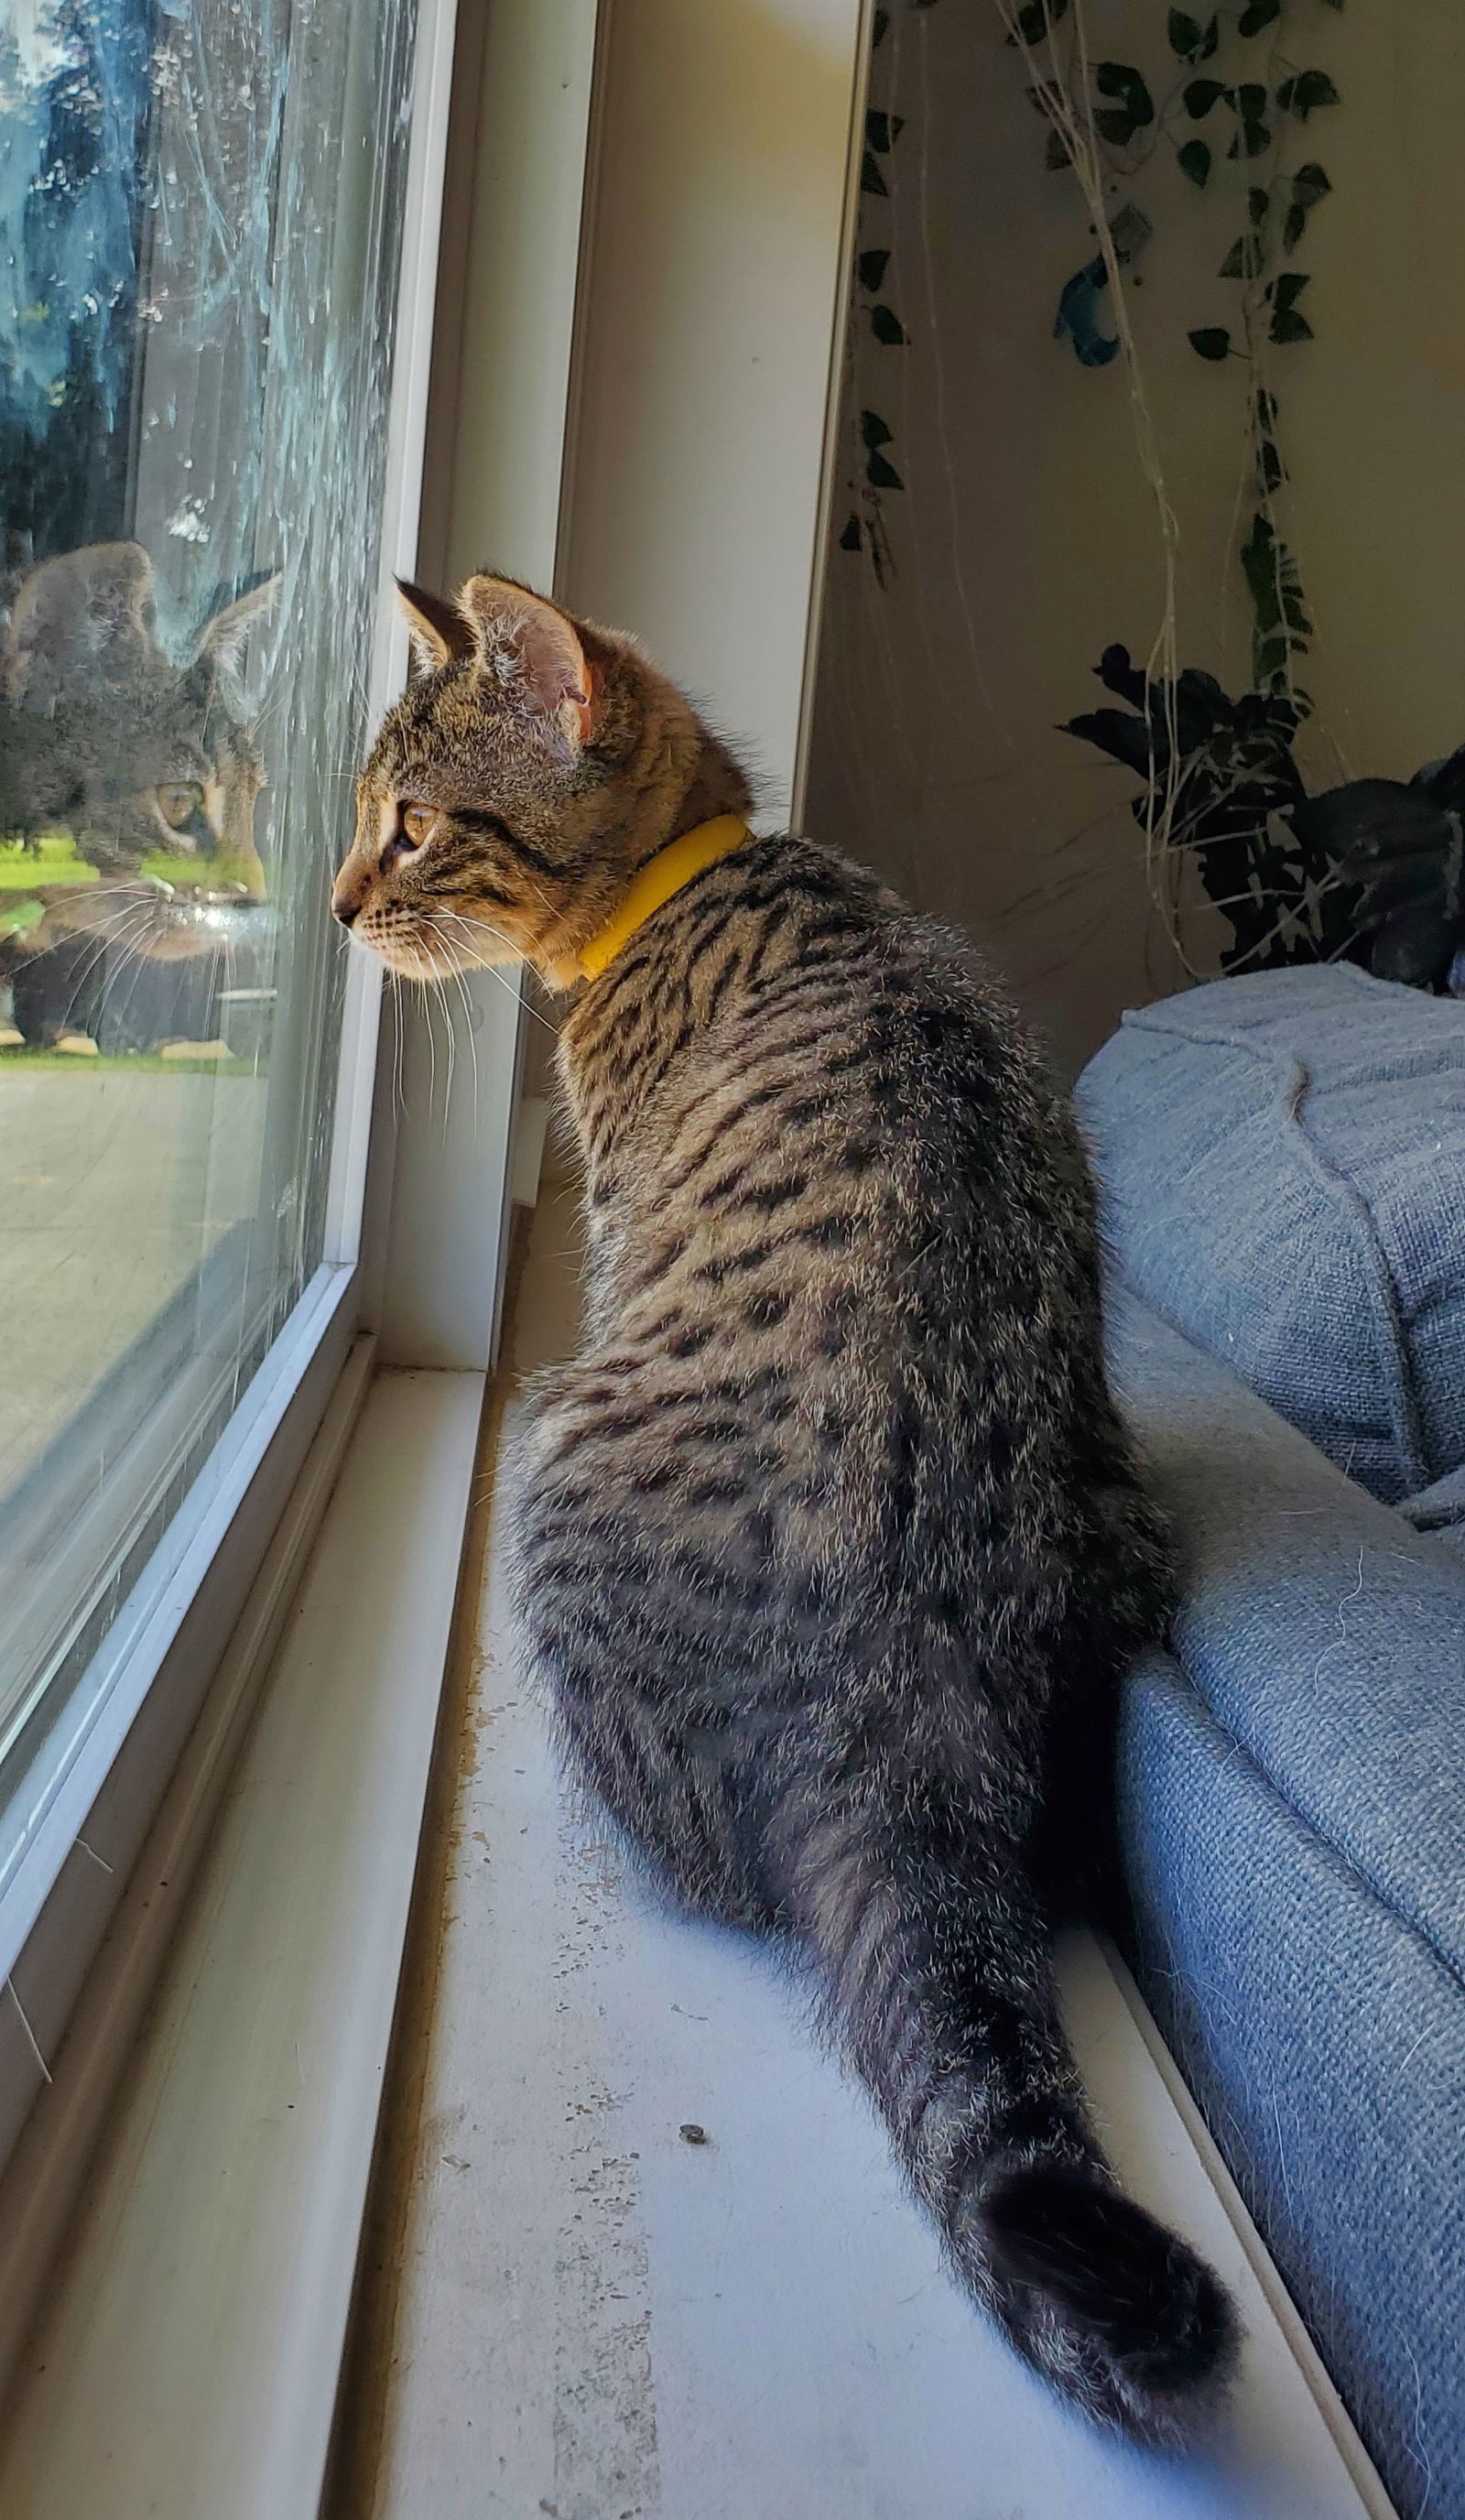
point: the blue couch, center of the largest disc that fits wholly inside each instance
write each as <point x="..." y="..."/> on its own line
<point x="1283" y="1171"/>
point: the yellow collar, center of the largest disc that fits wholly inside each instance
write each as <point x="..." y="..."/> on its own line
<point x="656" y="882"/>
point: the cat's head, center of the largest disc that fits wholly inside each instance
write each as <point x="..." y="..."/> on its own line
<point x="138" y="754"/>
<point x="532" y="766"/>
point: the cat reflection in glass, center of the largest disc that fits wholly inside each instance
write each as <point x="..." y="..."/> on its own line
<point x="128" y="784"/>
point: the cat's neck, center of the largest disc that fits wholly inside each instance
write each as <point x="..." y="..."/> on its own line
<point x="717" y="786"/>
<point x="670" y="789"/>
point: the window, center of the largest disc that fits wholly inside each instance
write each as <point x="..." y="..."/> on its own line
<point x="201" y="219"/>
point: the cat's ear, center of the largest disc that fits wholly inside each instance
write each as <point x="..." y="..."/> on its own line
<point x="83" y="620"/>
<point x="531" y="653"/>
<point x="439" y="634"/>
<point x="226" y="629"/>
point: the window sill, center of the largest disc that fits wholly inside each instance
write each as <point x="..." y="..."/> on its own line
<point x="189" y="2356"/>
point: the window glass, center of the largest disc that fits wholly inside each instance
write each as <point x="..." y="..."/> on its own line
<point x="200" y="213"/>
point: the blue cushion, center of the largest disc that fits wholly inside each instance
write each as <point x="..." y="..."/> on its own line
<point x="1326" y="1637"/>
<point x="1283" y="1171"/>
<point x="1291" y="1797"/>
<point x="1325" y="2043"/>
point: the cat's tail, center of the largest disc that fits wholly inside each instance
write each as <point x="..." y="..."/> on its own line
<point x="939" y="1986"/>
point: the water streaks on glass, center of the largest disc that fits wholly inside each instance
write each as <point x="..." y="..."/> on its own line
<point x="200" y="213"/>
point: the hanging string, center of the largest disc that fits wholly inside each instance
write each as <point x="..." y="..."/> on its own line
<point x="1064" y="92"/>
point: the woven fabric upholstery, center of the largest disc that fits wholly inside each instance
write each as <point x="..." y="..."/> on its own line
<point x="1283" y="1170"/>
<point x="1292" y="1800"/>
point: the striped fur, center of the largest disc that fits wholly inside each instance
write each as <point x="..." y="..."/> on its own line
<point x="831" y="1542"/>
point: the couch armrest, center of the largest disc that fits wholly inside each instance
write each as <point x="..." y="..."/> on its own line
<point x="1326" y="1637"/>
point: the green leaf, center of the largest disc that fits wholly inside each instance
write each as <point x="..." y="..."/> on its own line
<point x="1120" y="80"/>
<point x="1244" y="261"/>
<point x="1033" y="23"/>
<point x="1259" y="14"/>
<point x="849" y="540"/>
<point x="1284" y="291"/>
<point x="1213" y="342"/>
<point x="1055" y="153"/>
<point x="1289" y="327"/>
<point x="873" y="429"/>
<point x="1257" y="204"/>
<point x="1194" y="160"/>
<point x="1309" y="185"/>
<point x="882" y="130"/>
<point x="1259" y="561"/>
<point x="1282" y="627"/>
<point x="1185" y="35"/>
<point x="1252" y="102"/>
<point x="1201" y="95"/>
<point x="1303" y="95"/>
<point x="871" y="267"/>
<point x="882" y="474"/>
<point x="871" y="178"/>
<point x="1272" y="471"/>
<point x="878" y="32"/>
<point x="886" y="326"/>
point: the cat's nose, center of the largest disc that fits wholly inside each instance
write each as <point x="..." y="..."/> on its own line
<point x="345" y="901"/>
<point x="346" y="911"/>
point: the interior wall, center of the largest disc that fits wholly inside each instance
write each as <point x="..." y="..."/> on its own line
<point x="1024" y="537"/>
<point x="718" y="235"/>
<point x="712" y="299"/>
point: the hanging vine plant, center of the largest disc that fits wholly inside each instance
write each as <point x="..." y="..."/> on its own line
<point x="1206" y="117"/>
<point x="1371" y="869"/>
<point x="1221" y="783"/>
<point x="873" y="472"/>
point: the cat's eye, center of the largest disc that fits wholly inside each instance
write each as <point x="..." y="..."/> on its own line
<point x="417" y="823"/>
<point x="177" y="799"/>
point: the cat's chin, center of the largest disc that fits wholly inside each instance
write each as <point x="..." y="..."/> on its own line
<point x="425" y="960"/>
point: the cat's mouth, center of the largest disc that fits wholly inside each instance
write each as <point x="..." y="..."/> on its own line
<point x="429" y="945"/>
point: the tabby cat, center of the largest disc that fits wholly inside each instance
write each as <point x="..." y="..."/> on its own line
<point x="139" y="757"/>
<point x="830" y="1542"/>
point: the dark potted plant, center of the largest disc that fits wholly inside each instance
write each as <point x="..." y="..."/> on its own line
<point x="1370" y="871"/>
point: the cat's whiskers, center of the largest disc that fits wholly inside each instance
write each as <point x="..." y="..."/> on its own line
<point x="479" y="963"/>
<point x="431" y="982"/>
<point x="472" y="1033"/>
<point x="441" y="991"/>
<point x="426" y="1003"/>
<point x="124" y="946"/>
<point x="399" y="1092"/>
<point x="132" y="965"/>
<point x="118" y="940"/>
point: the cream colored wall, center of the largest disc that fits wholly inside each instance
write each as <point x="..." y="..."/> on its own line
<point x="712" y="290"/>
<point x="1378" y="398"/>
<point x="711" y="298"/>
<point x="1025" y="538"/>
